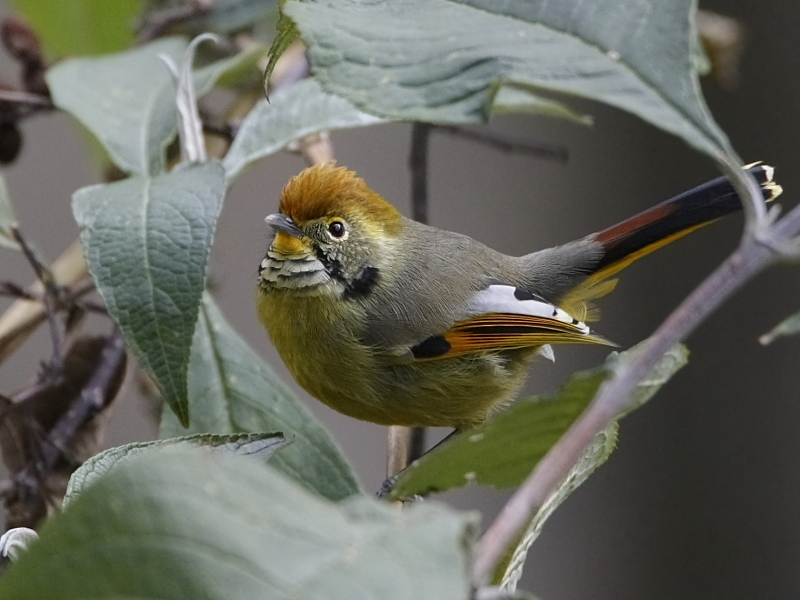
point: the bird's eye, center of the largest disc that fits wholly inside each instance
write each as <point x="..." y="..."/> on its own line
<point x="336" y="229"/>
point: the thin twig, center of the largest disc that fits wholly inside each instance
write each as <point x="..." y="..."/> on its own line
<point x="93" y="307"/>
<point x="750" y="258"/>
<point x="51" y="301"/>
<point x="227" y="131"/>
<point x="508" y="144"/>
<point x="397" y="449"/>
<point x="20" y="97"/>
<point x="416" y="443"/>
<point x="24" y="316"/>
<point x="315" y="148"/>
<point x="12" y="290"/>
<point x="418" y="165"/>
<point x="753" y="204"/>
<point x="401" y="443"/>
<point x="92" y="400"/>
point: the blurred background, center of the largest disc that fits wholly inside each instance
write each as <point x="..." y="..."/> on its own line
<point x="700" y="499"/>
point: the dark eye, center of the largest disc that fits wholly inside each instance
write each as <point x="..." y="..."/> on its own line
<point x="336" y="229"/>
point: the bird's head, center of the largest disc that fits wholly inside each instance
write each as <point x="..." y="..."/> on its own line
<point x="333" y="234"/>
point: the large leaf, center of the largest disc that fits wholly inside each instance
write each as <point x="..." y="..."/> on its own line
<point x="147" y="242"/>
<point x="443" y="60"/>
<point x="185" y="525"/>
<point x="259" y="445"/>
<point x="507" y="574"/>
<point x="81" y="27"/>
<point x="301" y="109"/>
<point x="232" y="390"/>
<point x="127" y="100"/>
<point x="502" y="452"/>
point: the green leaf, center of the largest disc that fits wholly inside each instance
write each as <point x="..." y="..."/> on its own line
<point x="147" y="242"/>
<point x="127" y="100"/>
<point x="299" y="110"/>
<point x="789" y="326"/>
<point x="515" y="100"/>
<point x="509" y="572"/>
<point x="502" y="452"/>
<point x="287" y="34"/>
<point x="232" y="390"/>
<point x="442" y="61"/>
<point x="259" y="445"/>
<point x="7" y="217"/>
<point x="184" y="525"/>
<point x="81" y="27"/>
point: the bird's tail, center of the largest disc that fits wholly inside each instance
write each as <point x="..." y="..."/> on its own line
<point x="628" y="241"/>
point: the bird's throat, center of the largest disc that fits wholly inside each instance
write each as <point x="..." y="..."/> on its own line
<point x="304" y="273"/>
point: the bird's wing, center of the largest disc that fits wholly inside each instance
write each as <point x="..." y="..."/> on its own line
<point x="506" y="317"/>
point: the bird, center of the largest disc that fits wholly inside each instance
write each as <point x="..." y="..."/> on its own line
<point x="395" y="322"/>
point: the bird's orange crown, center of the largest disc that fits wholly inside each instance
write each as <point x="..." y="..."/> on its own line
<point x="326" y="190"/>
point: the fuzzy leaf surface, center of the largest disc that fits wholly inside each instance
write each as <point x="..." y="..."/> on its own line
<point x="183" y="524"/>
<point x="442" y="61"/>
<point x="259" y="445"/>
<point x="127" y="100"/>
<point x="147" y="242"/>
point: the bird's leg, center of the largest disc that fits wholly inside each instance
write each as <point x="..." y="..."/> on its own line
<point x="388" y="484"/>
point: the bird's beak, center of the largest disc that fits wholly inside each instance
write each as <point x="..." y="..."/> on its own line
<point x="289" y="237"/>
<point x="282" y="223"/>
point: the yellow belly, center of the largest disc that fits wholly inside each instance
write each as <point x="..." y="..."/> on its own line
<point x="327" y="359"/>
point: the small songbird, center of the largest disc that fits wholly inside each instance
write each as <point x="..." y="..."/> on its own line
<point x="399" y="323"/>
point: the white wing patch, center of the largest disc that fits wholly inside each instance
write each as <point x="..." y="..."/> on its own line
<point x="502" y="298"/>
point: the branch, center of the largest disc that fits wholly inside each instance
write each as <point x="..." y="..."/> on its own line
<point x="753" y="204"/>
<point x="407" y="444"/>
<point x="752" y="256"/>
<point x="93" y="399"/>
<point x="51" y="293"/>
<point x="24" y="316"/>
<point x="418" y="164"/>
<point x="20" y="97"/>
<point x="315" y="148"/>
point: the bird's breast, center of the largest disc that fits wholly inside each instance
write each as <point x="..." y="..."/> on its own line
<point x="318" y="338"/>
